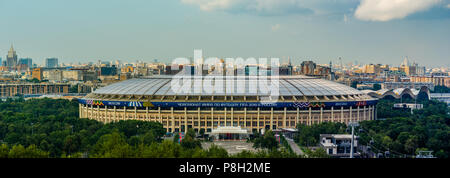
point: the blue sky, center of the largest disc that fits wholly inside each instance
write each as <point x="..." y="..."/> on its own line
<point x="368" y="31"/>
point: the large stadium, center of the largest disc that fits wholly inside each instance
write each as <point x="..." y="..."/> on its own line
<point x="299" y="100"/>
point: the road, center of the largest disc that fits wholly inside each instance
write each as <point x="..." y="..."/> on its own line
<point x="294" y="147"/>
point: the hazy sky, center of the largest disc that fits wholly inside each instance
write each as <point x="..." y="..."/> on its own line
<point x="368" y="31"/>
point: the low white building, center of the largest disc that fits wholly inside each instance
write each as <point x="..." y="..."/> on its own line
<point x="443" y="97"/>
<point x="229" y="133"/>
<point x="408" y="106"/>
<point x="338" y="145"/>
<point x="410" y="85"/>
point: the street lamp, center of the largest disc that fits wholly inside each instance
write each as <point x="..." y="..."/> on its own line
<point x="32" y="131"/>
<point x="353" y="125"/>
<point x="137" y="130"/>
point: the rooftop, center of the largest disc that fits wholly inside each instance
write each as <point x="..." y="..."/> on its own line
<point x="229" y="129"/>
<point x="338" y="136"/>
<point x="229" y="86"/>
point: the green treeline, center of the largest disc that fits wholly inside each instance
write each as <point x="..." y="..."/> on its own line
<point x="53" y="126"/>
<point x="309" y="135"/>
<point x="19" y="151"/>
<point x="441" y="89"/>
<point x="41" y="128"/>
<point x="401" y="133"/>
<point x="404" y="134"/>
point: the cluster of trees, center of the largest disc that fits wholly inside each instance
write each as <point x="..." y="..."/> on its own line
<point x="310" y="135"/>
<point x="114" y="145"/>
<point x="384" y="109"/>
<point x="51" y="128"/>
<point x="399" y="132"/>
<point x="41" y="128"/>
<point x="403" y="134"/>
<point x="19" y="151"/>
<point x="268" y="146"/>
<point x="285" y="144"/>
<point x="268" y="141"/>
<point x="317" y="153"/>
<point x="441" y="89"/>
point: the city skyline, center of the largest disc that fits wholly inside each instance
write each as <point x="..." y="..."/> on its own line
<point x="321" y="31"/>
<point x="189" y="80"/>
<point x="283" y="61"/>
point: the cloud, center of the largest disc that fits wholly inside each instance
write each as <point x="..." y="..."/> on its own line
<point x="385" y="10"/>
<point x="259" y="7"/>
<point x="367" y="10"/>
<point x="210" y="5"/>
<point x="276" y="27"/>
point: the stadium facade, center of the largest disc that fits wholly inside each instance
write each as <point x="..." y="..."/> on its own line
<point x="229" y="102"/>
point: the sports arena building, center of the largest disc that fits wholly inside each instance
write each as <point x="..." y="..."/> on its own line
<point x="300" y="100"/>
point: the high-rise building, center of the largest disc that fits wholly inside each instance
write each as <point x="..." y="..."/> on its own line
<point x="420" y="70"/>
<point x="286" y="69"/>
<point x="405" y="62"/>
<point x="108" y="71"/>
<point x="51" y="62"/>
<point x="11" y="58"/>
<point x="37" y="73"/>
<point x="308" y="67"/>
<point x="372" y="68"/>
<point x="1" y="62"/>
<point x="26" y="61"/>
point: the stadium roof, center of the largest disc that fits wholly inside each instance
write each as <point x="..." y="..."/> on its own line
<point x="233" y="86"/>
<point x="399" y="92"/>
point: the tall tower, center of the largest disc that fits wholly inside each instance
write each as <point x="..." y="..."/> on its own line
<point x="53" y="62"/>
<point x="290" y="67"/>
<point x="405" y="62"/>
<point x="11" y="58"/>
<point x="331" y="67"/>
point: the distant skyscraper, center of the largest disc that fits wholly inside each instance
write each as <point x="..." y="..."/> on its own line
<point x="51" y="62"/>
<point x="108" y="71"/>
<point x="26" y="61"/>
<point x="420" y="70"/>
<point x="1" y="62"/>
<point x="405" y="62"/>
<point x="11" y="58"/>
<point x="286" y="70"/>
<point x="308" y="67"/>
